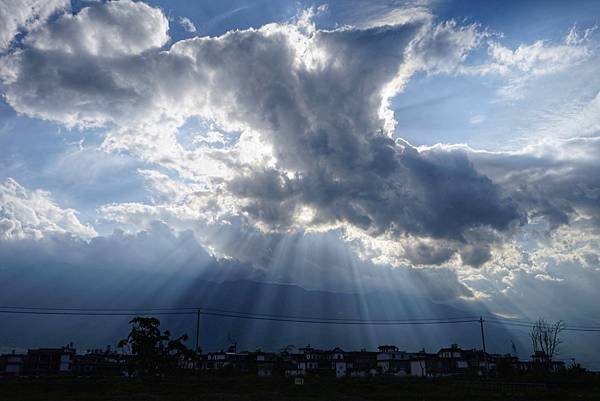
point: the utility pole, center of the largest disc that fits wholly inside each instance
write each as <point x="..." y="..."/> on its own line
<point x="483" y="342"/>
<point x="198" y="330"/>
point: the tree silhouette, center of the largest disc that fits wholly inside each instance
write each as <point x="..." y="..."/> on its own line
<point x="154" y="353"/>
<point x="545" y="339"/>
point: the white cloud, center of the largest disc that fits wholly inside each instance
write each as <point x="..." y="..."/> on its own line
<point x="369" y="14"/>
<point x="310" y="138"/>
<point x="520" y="66"/>
<point x="28" y="214"/>
<point x="105" y="30"/>
<point x="168" y="87"/>
<point x="477" y="119"/>
<point x="23" y="15"/>
<point x="576" y="125"/>
<point x="187" y="24"/>
<point x="445" y="49"/>
<point x="299" y="132"/>
<point x="576" y="38"/>
<point x="538" y="58"/>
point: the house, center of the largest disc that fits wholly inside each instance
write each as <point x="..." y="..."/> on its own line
<point x="221" y="360"/>
<point x="505" y="365"/>
<point x="452" y="360"/>
<point x="455" y="360"/>
<point x="361" y="363"/>
<point x="189" y="362"/>
<point x="266" y="363"/>
<point x="338" y="362"/>
<point x="215" y="361"/>
<point x="311" y="361"/>
<point x="11" y="364"/>
<point x="479" y="362"/>
<point x="100" y="362"/>
<point x="423" y="364"/>
<point x="49" y="361"/>
<point x="418" y="367"/>
<point x="540" y="362"/>
<point x="292" y="369"/>
<point x="392" y="361"/>
<point x="291" y="364"/>
<point x="315" y="361"/>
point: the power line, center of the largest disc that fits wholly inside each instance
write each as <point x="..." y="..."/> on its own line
<point x="238" y="316"/>
<point x="83" y="313"/>
<point x="97" y="309"/>
<point x="24" y="310"/>
<point x="206" y="310"/>
<point x="342" y="319"/>
<point x="530" y="325"/>
<point x="295" y="319"/>
<point x="491" y="318"/>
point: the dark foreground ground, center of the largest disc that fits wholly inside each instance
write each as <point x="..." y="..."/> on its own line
<point x="242" y="388"/>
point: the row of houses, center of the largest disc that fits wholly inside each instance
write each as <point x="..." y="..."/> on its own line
<point x="62" y="361"/>
<point x="306" y="361"/>
<point x="387" y="360"/>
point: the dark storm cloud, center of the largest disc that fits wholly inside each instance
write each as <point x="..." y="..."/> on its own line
<point x="475" y="255"/>
<point x="437" y="196"/>
<point x="558" y="185"/>
<point x="424" y="254"/>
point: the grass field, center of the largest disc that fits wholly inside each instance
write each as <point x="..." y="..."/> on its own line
<point x="251" y="388"/>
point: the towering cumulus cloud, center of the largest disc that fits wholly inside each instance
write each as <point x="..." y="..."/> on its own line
<point x="314" y="101"/>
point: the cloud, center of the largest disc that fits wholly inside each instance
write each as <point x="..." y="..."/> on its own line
<point x="304" y="127"/>
<point x="33" y="214"/>
<point x="315" y="100"/>
<point x="161" y="266"/>
<point x="520" y="66"/>
<point x="167" y="85"/>
<point x="300" y="161"/>
<point x="319" y="261"/>
<point x="538" y="58"/>
<point x="76" y="60"/>
<point x="553" y="180"/>
<point x="275" y="147"/>
<point x="157" y="249"/>
<point x="448" y="45"/>
<point x="104" y="30"/>
<point x="23" y="15"/>
<point x="368" y="14"/>
<point x="423" y="253"/>
<point x="187" y="24"/>
<point x="555" y="187"/>
<point x="577" y="123"/>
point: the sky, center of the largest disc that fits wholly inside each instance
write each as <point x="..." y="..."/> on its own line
<point x="447" y="149"/>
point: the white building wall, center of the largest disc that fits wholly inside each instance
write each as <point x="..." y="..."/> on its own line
<point x="418" y="368"/>
<point x="65" y="363"/>
<point x="340" y="369"/>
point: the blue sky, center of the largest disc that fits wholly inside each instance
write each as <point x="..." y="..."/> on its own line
<point x="449" y="146"/>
